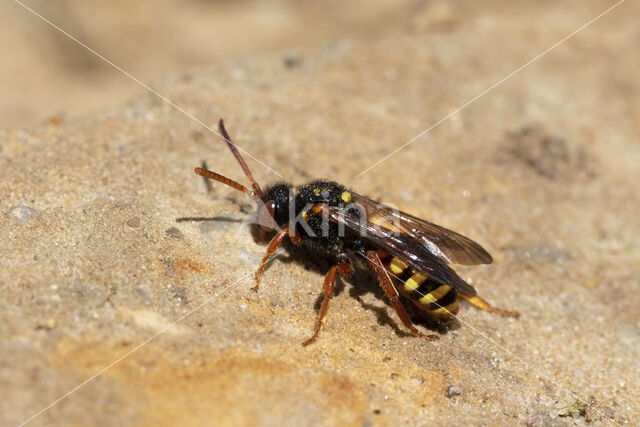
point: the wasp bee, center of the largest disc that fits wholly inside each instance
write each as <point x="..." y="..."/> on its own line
<point x="352" y="229"/>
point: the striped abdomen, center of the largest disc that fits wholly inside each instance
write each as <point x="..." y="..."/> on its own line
<point x="437" y="299"/>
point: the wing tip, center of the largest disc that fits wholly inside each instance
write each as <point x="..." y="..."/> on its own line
<point x="462" y="286"/>
<point x="482" y="256"/>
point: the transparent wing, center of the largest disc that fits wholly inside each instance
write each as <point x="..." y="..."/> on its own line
<point x="401" y="245"/>
<point x="449" y="246"/>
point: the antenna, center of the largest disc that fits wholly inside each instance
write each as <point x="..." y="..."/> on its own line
<point x="243" y="164"/>
<point x="223" y="179"/>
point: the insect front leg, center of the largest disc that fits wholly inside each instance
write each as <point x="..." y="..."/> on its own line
<point x="373" y="259"/>
<point x="484" y="305"/>
<point x="273" y="246"/>
<point x="328" y="287"/>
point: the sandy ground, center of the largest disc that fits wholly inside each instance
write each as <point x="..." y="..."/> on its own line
<point x="98" y="271"/>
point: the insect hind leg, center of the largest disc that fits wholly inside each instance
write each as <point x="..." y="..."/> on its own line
<point x="482" y="304"/>
<point x="373" y="259"/>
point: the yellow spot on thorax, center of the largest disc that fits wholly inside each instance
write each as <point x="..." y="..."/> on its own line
<point x="435" y="295"/>
<point x="346" y="197"/>
<point x="414" y="281"/>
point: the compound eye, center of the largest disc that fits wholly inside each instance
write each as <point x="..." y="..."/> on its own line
<point x="271" y="207"/>
<point x="265" y="215"/>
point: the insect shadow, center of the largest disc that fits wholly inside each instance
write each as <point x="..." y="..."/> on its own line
<point x="207" y="218"/>
<point x="362" y="282"/>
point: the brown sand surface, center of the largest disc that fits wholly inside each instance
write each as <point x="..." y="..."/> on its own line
<point x="96" y="268"/>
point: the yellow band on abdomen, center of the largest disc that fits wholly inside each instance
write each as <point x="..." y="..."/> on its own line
<point x="447" y="310"/>
<point x="435" y="295"/>
<point x="414" y="281"/>
<point x="397" y="266"/>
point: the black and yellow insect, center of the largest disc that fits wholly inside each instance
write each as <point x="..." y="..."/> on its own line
<point x="347" y="227"/>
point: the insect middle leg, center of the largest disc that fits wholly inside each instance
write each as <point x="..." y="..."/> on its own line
<point x="327" y="291"/>
<point x="373" y="259"/>
<point x="484" y="305"/>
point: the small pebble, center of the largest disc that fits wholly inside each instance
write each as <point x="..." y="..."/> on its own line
<point x="180" y="294"/>
<point x="454" y="390"/>
<point x="144" y="292"/>
<point x="22" y="214"/>
<point x="417" y="380"/>
<point x="291" y="61"/>
<point x="46" y="324"/>
<point x="197" y="136"/>
<point x="174" y="233"/>
<point x="134" y="222"/>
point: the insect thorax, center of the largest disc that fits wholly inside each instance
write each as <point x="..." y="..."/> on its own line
<point x="293" y="209"/>
<point x="331" y="193"/>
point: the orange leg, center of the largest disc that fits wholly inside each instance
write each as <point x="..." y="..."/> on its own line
<point x="484" y="305"/>
<point x="385" y="282"/>
<point x="327" y="290"/>
<point x="273" y="246"/>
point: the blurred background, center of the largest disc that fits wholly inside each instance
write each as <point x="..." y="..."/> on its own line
<point x="44" y="73"/>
